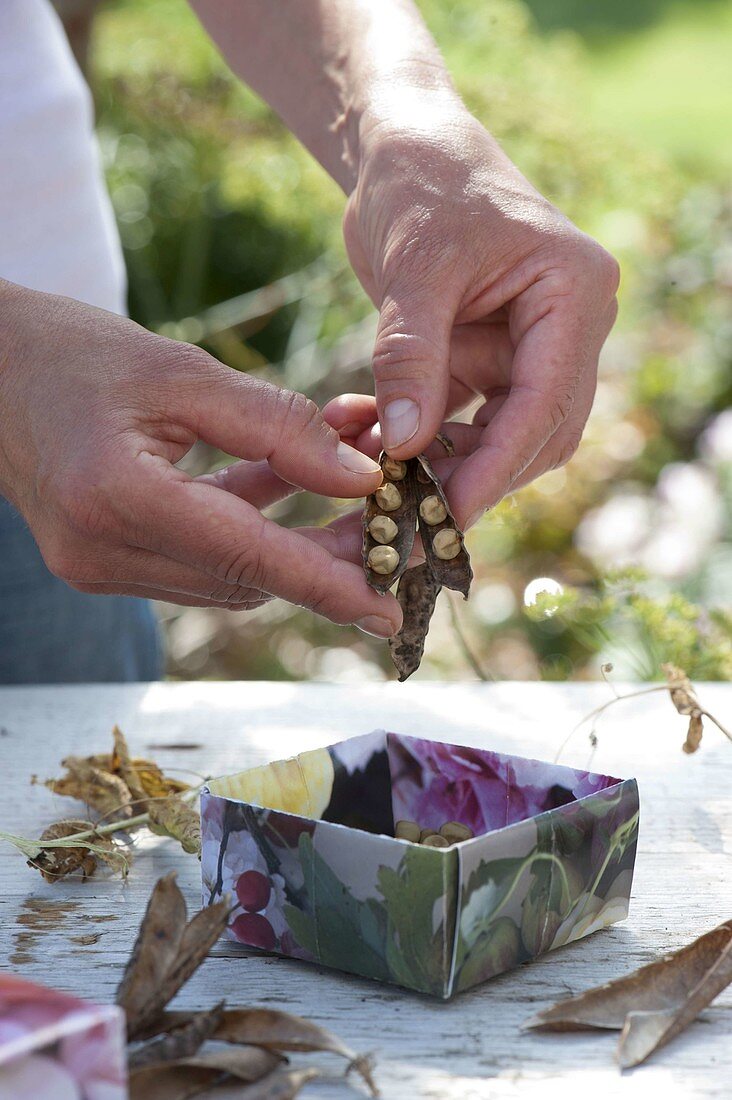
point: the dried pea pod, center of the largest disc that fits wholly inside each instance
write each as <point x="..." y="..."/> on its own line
<point x="398" y="485"/>
<point x="442" y="539"/>
<point x="417" y="595"/>
<point x="411" y="495"/>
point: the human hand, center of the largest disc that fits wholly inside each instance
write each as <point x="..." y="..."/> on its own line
<point x="95" y="413"/>
<point x="484" y="291"/>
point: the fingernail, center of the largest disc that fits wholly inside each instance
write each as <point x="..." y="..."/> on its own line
<point x="476" y="516"/>
<point x="356" y="462"/>
<point x="400" y="422"/>
<point x="376" y="626"/>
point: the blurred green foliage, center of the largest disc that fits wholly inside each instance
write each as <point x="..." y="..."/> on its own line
<point x="215" y="199"/>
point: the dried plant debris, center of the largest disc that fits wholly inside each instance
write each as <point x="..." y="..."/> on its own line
<point x="181" y="1041"/>
<point x="127" y="793"/>
<point x="168" y="949"/>
<point x="178" y="819"/>
<point x="114" y="784"/>
<point x="192" y="1076"/>
<point x="683" y="697"/>
<point x="652" y="1005"/>
<point x="410" y="498"/>
<point x="56" y="860"/>
<point x="166" y="1058"/>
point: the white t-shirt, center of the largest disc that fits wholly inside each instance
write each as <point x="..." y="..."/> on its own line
<point x="57" y="231"/>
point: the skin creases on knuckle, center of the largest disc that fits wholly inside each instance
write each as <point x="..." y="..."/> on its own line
<point x="234" y="595"/>
<point x="246" y="568"/>
<point x="560" y="403"/>
<point x="293" y="414"/>
<point x="598" y="269"/>
<point x="567" y="450"/>
<point x="402" y="354"/>
<point x="322" y="597"/>
<point x="520" y="463"/>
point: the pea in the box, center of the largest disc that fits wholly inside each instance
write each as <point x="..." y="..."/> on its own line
<point x="306" y="849"/>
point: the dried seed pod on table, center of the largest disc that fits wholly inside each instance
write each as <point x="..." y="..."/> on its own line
<point x="389" y="523"/>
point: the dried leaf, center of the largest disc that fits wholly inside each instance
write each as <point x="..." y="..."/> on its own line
<point x="60" y="855"/>
<point x="167" y="951"/>
<point x="279" y="1031"/>
<point x="57" y="862"/>
<point x="405" y="517"/>
<point x="276" y="1031"/>
<point x="190" y="1076"/>
<point x="154" y="953"/>
<point x="417" y="594"/>
<point x="178" y="1042"/>
<point x="283" y="1084"/>
<point x="100" y="789"/>
<point x="654" y="1004"/>
<point x="143" y="777"/>
<point x="173" y="817"/>
<point x="454" y="573"/>
<point x="694" y="734"/>
<point x="154" y="781"/>
<point x="123" y="767"/>
<point x="681" y="690"/>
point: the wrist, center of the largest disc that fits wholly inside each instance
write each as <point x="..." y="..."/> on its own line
<point x="412" y="106"/>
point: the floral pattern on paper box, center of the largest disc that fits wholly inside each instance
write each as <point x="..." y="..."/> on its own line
<point x="551" y="860"/>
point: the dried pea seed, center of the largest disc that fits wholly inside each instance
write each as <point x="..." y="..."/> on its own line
<point x="427" y="832"/>
<point x="383" y="529"/>
<point x="388" y="497"/>
<point x="455" y="831"/>
<point x="432" y="510"/>
<point x="435" y="841"/>
<point x="407" y="830"/>
<point x="394" y="469"/>
<point x="446" y="544"/>
<point x="383" y="559"/>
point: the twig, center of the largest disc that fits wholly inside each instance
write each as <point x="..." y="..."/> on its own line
<point x="463" y="643"/>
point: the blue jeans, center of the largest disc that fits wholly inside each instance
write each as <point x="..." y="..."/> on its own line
<point x="50" y="634"/>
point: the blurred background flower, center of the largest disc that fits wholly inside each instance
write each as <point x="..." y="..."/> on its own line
<point x="618" y="111"/>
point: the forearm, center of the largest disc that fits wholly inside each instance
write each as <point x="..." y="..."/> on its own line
<point x="334" y="70"/>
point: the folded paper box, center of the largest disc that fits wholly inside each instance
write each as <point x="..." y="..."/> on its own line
<point x="306" y="849"/>
<point x="56" y="1047"/>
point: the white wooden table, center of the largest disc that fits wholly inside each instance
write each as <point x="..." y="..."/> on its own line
<point x="77" y="935"/>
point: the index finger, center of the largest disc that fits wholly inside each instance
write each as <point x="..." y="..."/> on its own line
<point x="220" y="534"/>
<point x="553" y="360"/>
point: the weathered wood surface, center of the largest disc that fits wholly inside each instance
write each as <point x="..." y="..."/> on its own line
<point x="77" y="936"/>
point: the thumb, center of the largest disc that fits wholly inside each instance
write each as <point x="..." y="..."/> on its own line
<point x="412" y="368"/>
